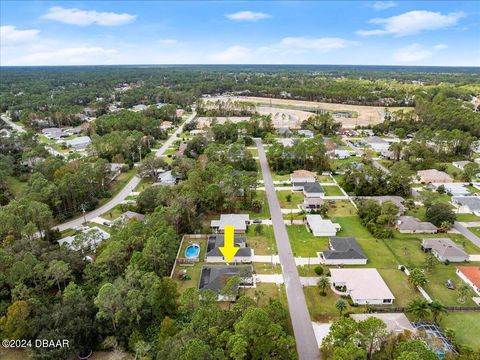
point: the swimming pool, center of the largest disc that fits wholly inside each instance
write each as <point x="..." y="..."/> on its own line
<point x="192" y="251"/>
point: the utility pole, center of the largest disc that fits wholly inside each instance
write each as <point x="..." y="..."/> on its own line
<point x="84" y="217"/>
<point x="140" y="152"/>
<point x="133" y="157"/>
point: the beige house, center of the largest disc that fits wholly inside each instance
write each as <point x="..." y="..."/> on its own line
<point x="433" y="176"/>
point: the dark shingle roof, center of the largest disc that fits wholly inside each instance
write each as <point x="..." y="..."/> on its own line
<point x="313" y="187"/>
<point x="344" y="248"/>
<point x="217" y="240"/>
<point x="215" y="277"/>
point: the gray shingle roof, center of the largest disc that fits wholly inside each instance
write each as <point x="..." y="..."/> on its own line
<point x="344" y="248"/>
<point x="217" y="240"/>
<point x="215" y="277"/>
<point x="444" y="247"/>
<point x="473" y="202"/>
<point x="313" y="187"/>
<point x="412" y="223"/>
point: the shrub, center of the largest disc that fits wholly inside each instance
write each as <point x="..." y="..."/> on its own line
<point x="318" y="270"/>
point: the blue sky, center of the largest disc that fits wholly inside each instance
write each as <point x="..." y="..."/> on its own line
<point x="288" y="32"/>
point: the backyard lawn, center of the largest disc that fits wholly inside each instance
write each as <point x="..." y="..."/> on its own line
<point x="398" y="284"/>
<point x="465" y="325"/>
<point x="341" y="208"/>
<point x="264" y="243"/>
<point x="324" y="179"/>
<point x="322" y="308"/>
<point x="303" y="243"/>
<point x="296" y="199"/>
<point x="332" y="190"/>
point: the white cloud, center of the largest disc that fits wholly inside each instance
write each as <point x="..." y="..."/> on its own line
<point x="231" y="55"/>
<point x="415" y="52"/>
<point x="79" y="17"/>
<point x="412" y="22"/>
<point x="68" y="56"/>
<point x="322" y="45"/>
<point x="248" y="16"/>
<point x="10" y="35"/>
<point x="167" y="41"/>
<point x="383" y="5"/>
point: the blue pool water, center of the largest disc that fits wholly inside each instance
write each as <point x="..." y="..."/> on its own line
<point x="192" y="251"/>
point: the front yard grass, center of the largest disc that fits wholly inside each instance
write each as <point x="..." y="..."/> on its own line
<point x="467" y="217"/>
<point x="118" y="184"/>
<point x="303" y="243"/>
<point x="296" y="199"/>
<point x="263" y="293"/>
<point x="264" y="243"/>
<point x="322" y="308"/>
<point x="267" y="268"/>
<point x="264" y="212"/>
<point x="465" y="325"/>
<point x="278" y="177"/>
<point x="332" y="190"/>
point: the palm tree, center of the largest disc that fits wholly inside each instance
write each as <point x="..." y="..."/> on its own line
<point x="437" y="308"/>
<point x="419" y="308"/>
<point x="322" y="284"/>
<point x="417" y="278"/>
<point x="463" y="291"/>
<point x="396" y="148"/>
<point x="341" y="305"/>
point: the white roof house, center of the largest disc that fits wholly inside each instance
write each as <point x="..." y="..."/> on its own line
<point x="320" y="227"/>
<point x="139" y="107"/>
<point x="365" y="286"/>
<point x="454" y="189"/>
<point x="239" y="222"/>
<point x="68" y="240"/>
<point x="460" y="164"/>
<point x="377" y="143"/>
<point x="396" y="323"/>
<point x="342" y="154"/>
<point x="306" y="133"/>
<point x="79" y="143"/>
<point x="167" y="178"/>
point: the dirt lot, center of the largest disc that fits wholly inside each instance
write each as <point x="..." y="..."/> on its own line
<point x="284" y="113"/>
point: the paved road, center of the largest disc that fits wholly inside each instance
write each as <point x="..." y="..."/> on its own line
<point x="467" y="233"/>
<point x="128" y="188"/>
<point x="360" y="153"/>
<point x="307" y="346"/>
<point x="14" y="126"/>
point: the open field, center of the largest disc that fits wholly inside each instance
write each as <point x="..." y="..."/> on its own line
<point x="304" y="243"/>
<point x="365" y="114"/>
<point x="332" y="190"/>
<point x="296" y="198"/>
<point x="264" y="243"/>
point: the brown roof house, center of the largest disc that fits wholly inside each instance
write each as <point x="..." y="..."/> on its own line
<point x="411" y="225"/>
<point x="433" y="176"/>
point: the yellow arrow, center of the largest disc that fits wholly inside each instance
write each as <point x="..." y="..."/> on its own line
<point x="228" y="249"/>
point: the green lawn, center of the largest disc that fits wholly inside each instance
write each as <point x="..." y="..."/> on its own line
<point x="296" y="198"/>
<point x="118" y="184"/>
<point x="474" y="230"/>
<point x="263" y="244"/>
<point x="332" y="190"/>
<point x="437" y="290"/>
<point x="263" y="293"/>
<point x="254" y="152"/>
<point x="195" y="270"/>
<point x="15" y="186"/>
<point x="398" y="284"/>
<point x="467" y="217"/>
<point x="309" y="270"/>
<point x="278" y="177"/>
<point x="324" y="179"/>
<point x="267" y="268"/>
<point x="322" y="308"/>
<point x="303" y="243"/>
<point x="265" y="211"/>
<point x="465" y="325"/>
<point x="144" y="183"/>
<point x="341" y="163"/>
<point x="339" y="208"/>
<point x="113" y="213"/>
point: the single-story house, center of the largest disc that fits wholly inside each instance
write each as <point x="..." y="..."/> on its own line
<point x="129" y="215"/>
<point x="467" y="204"/>
<point x="377" y="143"/>
<point x="99" y="236"/>
<point x="454" y="189"/>
<point x="397" y="200"/>
<point x="302" y="176"/>
<point x="305" y="133"/>
<point x="287" y="142"/>
<point x="344" y="250"/>
<point x="215" y="277"/>
<point x="342" y="154"/>
<point x="433" y="176"/>
<point x="139" y="107"/>
<point x="460" y="164"/>
<point x="411" y="225"/>
<point x="165" y="125"/>
<point x="197" y="132"/>
<point x="313" y="190"/>
<point x="445" y="249"/>
<point x="80" y="143"/>
<point x="320" y="227"/>
<point x="215" y="241"/>
<point x="286" y="132"/>
<point x="397" y="323"/>
<point x="54" y="133"/>
<point x="365" y="286"/>
<point x="179" y="112"/>
<point x="471" y="275"/>
<point x="312" y="203"/>
<point x="167" y="178"/>
<point x="239" y="221"/>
